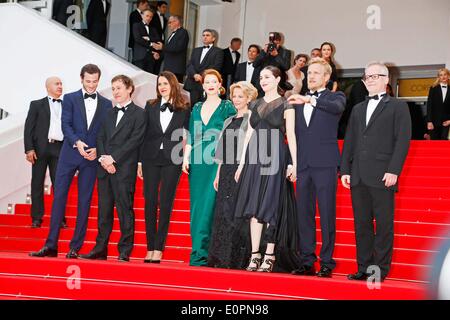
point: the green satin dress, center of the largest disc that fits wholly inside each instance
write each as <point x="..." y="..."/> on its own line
<point x="202" y="171"/>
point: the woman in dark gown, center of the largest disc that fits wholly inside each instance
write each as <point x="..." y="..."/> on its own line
<point x="225" y="246"/>
<point x="264" y="194"/>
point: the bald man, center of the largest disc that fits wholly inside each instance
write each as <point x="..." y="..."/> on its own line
<point x="43" y="139"/>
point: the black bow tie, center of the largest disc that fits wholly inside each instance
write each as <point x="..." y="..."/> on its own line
<point x="376" y="97"/>
<point x="315" y="93"/>
<point x="57" y="100"/>
<point x="92" y="96"/>
<point x="117" y="109"/>
<point x="249" y="63"/>
<point x="234" y="51"/>
<point x="205" y="47"/>
<point x="165" y="106"/>
<point x="444" y="87"/>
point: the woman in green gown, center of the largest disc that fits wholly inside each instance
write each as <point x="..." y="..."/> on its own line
<point x="205" y="125"/>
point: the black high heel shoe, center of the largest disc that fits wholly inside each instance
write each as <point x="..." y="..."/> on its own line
<point x="269" y="262"/>
<point x="256" y="261"/>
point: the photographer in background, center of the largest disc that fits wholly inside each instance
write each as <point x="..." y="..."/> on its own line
<point x="274" y="54"/>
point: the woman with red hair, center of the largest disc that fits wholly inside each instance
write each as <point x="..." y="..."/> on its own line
<point x="205" y="125"/>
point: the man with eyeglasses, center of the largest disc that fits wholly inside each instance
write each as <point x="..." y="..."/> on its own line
<point x="375" y="148"/>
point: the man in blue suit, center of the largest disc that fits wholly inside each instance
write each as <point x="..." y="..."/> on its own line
<point x="316" y="125"/>
<point x="83" y="114"/>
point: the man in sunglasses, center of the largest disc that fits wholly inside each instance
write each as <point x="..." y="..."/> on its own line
<point x="375" y="148"/>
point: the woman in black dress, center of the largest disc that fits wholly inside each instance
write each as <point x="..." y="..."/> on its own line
<point x="264" y="194"/>
<point x="167" y="116"/>
<point x="327" y="51"/>
<point x="224" y="249"/>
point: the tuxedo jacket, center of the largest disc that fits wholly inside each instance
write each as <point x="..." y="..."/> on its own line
<point x="379" y="147"/>
<point x="59" y="10"/>
<point x="317" y="144"/>
<point x="213" y="60"/>
<point x="228" y="67"/>
<point x="241" y="75"/>
<point x="175" y="52"/>
<point x="135" y="17"/>
<point x="122" y="142"/>
<point x="438" y="110"/>
<point x="156" y="23"/>
<point x="97" y="18"/>
<point x="74" y="126"/>
<point x="154" y="135"/>
<point x="141" y="45"/>
<point x="37" y="125"/>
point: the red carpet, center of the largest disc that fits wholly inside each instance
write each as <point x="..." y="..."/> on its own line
<point x="422" y="220"/>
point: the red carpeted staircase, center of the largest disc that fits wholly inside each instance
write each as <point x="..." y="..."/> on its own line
<point x="422" y="221"/>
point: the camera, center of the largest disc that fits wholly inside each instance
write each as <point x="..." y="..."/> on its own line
<point x="271" y="46"/>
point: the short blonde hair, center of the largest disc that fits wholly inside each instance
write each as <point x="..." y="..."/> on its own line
<point x="246" y="87"/>
<point x="437" y="79"/>
<point x="322" y="62"/>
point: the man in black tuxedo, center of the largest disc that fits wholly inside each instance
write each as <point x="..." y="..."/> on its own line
<point x="316" y="125"/>
<point x="97" y="21"/>
<point x="146" y="38"/>
<point x="206" y="57"/>
<point x="118" y="145"/>
<point x="231" y="57"/>
<point x="59" y="11"/>
<point x="136" y="17"/>
<point x="375" y="148"/>
<point x="438" y="107"/>
<point x="159" y="22"/>
<point x="175" y="48"/>
<point x="43" y="138"/>
<point x="245" y="71"/>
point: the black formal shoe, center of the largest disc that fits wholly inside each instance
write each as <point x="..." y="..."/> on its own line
<point x="45" y="252"/>
<point x="305" y="271"/>
<point x="324" y="272"/>
<point x="124" y="258"/>
<point x="94" y="255"/>
<point x="361" y="276"/>
<point x="155" y="261"/>
<point x="147" y="260"/>
<point x="72" y="254"/>
<point x="36" y="224"/>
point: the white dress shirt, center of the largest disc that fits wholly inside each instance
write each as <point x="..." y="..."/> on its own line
<point x="233" y="55"/>
<point x="161" y="20"/>
<point x="55" y="130"/>
<point x="104" y="5"/>
<point x="444" y="88"/>
<point x="204" y="52"/>
<point x="371" y="106"/>
<point x="171" y="35"/>
<point x="249" y="72"/>
<point x="90" y="106"/>
<point x="120" y="113"/>
<point x="146" y="28"/>
<point x="164" y="118"/>
<point x="309" y="107"/>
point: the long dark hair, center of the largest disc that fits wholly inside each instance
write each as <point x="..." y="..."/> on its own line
<point x="178" y="101"/>
<point x="332" y="50"/>
<point x="276" y="72"/>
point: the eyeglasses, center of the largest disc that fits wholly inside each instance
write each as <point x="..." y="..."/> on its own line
<point x="373" y="76"/>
